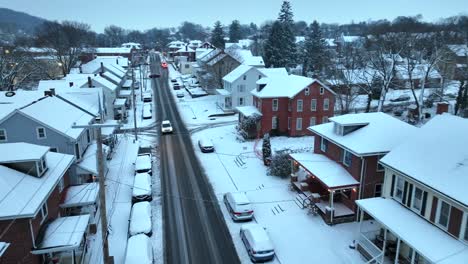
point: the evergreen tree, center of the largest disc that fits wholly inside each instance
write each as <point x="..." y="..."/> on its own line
<point x="280" y="47"/>
<point x="235" y="33"/>
<point x="316" y="55"/>
<point x="266" y="149"/>
<point x="217" y="35"/>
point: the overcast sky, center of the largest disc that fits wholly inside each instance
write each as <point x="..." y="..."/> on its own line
<point x="145" y="14"/>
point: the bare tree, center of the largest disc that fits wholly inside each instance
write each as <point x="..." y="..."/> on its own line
<point x="115" y="35"/>
<point x="13" y="70"/>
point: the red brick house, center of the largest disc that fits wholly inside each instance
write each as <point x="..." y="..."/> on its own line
<point x="290" y="104"/>
<point x="422" y="216"/>
<point x="33" y="181"/>
<point x="344" y="165"/>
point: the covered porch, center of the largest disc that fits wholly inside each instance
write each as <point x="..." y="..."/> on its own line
<point x="81" y="199"/>
<point x="324" y="186"/>
<point x="398" y="235"/>
<point x="63" y="240"/>
<point x="120" y="109"/>
<point x="224" y="101"/>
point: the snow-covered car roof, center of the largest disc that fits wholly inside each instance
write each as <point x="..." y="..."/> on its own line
<point x="139" y="250"/>
<point x="140" y="218"/>
<point x="259" y="237"/>
<point x="143" y="162"/>
<point x="142" y="184"/>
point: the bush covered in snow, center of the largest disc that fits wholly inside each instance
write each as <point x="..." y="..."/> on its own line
<point x="249" y="126"/>
<point x="266" y="149"/>
<point x="280" y="165"/>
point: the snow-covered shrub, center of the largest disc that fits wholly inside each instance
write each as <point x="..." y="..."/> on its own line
<point x="280" y="165"/>
<point x="266" y="149"/>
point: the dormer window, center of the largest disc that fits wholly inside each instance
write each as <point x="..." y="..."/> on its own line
<point x="41" y="166"/>
<point x="338" y="129"/>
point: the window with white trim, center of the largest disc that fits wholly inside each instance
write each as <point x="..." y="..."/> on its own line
<point x="274" y="105"/>
<point x="399" y="186"/>
<point x="443" y="214"/>
<point x="313" y="105"/>
<point x="324" y="119"/>
<point x="41" y="133"/>
<point x="299" y="105"/>
<point x="241" y="101"/>
<point x="417" y="199"/>
<point x="307" y="91"/>
<point x="312" y="121"/>
<point x="44" y="212"/>
<point x="299" y="123"/>
<point x="347" y="156"/>
<point x="245" y="77"/>
<point x="326" y="104"/>
<point x="323" y="145"/>
<point x="241" y="88"/>
<point x="3" y="135"/>
<point x="274" y="122"/>
<point x="378" y="190"/>
<point x="322" y="90"/>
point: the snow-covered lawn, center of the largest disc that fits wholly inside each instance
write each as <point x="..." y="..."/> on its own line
<point x="297" y="236"/>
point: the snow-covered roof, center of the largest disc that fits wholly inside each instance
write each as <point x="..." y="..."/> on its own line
<point x="327" y="171"/>
<point x="118" y="60"/>
<point x="418" y="72"/>
<point x="21" y="151"/>
<point x="358" y="76"/>
<point x="208" y="55"/>
<point x="118" y="50"/>
<point x="442" y="142"/>
<point x="248" y="110"/>
<point x="22" y="195"/>
<point x="142" y="184"/>
<point x="119" y="102"/>
<point x="283" y="86"/>
<point x="81" y="195"/>
<point x="240" y="198"/>
<point x="370" y="139"/>
<point x="254" y="61"/>
<point x="185" y="49"/>
<point x="140" y="219"/>
<point x="202" y="52"/>
<point x="459" y="50"/>
<point x="270" y="72"/>
<point x="111" y="77"/>
<point x="36" y="50"/>
<point x="300" y="39"/>
<point x="45" y="85"/>
<point x="139" y="250"/>
<point x="350" y="39"/>
<point x="415" y="231"/>
<point x="86" y="98"/>
<point x="330" y="42"/>
<point x="20" y="99"/>
<point x="89" y="161"/>
<point x="63" y="234"/>
<point x="237" y="73"/>
<point x="216" y="59"/>
<point x="223" y="92"/>
<point x="143" y="162"/>
<point x="58" y="115"/>
<point x="99" y="81"/>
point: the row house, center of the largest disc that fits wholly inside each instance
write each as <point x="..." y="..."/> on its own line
<point x="288" y="104"/>
<point x="34" y="182"/>
<point x="422" y="216"/>
<point x="49" y="121"/>
<point x="417" y="75"/>
<point x="344" y="164"/>
<point x="238" y="84"/>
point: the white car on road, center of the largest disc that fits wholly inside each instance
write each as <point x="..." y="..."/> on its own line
<point x="166" y="127"/>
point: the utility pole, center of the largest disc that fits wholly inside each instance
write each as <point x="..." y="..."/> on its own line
<point x="102" y="191"/>
<point x="134" y="103"/>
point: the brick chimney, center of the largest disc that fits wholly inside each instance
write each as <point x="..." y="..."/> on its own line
<point x="442" y="107"/>
<point x="90" y="82"/>
<point x="52" y="91"/>
<point x="70" y="84"/>
<point x="81" y="69"/>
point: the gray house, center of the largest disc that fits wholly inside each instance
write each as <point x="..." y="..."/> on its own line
<point x="48" y="121"/>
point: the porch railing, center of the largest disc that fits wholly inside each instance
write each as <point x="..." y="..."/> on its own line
<point x="372" y="250"/>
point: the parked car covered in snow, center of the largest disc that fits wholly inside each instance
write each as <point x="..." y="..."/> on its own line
<point x="205" y="145"/>
<point x="142" y="188"/>
<point x="257" y="242"/>
<point x="147" y="97"/>
<point x="180" y="94"/>
<point x="139" y="250"/>
<point x="238" y="206"/>
<point x="147" y="111"/>
<point x="143" y="164"/>
<point x="140" y="219"/>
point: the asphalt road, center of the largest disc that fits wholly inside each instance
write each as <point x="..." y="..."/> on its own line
<point x="194" y="227"/>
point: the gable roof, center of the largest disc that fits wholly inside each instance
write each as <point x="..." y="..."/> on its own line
<point x="21" y="98"/>
<point x="20" y="151"/>
<point x="104" y="83"/>
<point x="117" y="50"/>
<point x="380" y="134"/>
<point x="284" y="86"/>
<point x="269" y="72"/>
<point x="22" y="195"/>
<point x="459" y="50"/>
<point x="57" y="114"/>
<point x="237" y="73"/>
<point x="436" y="156"/>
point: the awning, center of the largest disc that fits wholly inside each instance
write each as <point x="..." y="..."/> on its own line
<point x="125" y="93"/>
<point x="120" y="102"/>
<point x="415" y="231"/>
<point x="248" y="111"/>
<point x="127" y="84"/>
<point x="89" y="161"/>
<point x="330" y="173"/>
<point x="63" y="234"/>
<point x="81" y="195"/>
<point x="107" y="131"/>
<point x="223" y="92"/>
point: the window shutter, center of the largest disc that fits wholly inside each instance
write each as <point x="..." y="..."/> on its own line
<point x="423" y="206"/>
<point x="393" y="185"/>
<point x="410" y="195"/>
<point x="405" y="192"/>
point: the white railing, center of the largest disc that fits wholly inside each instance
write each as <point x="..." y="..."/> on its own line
<point x="371" y="249"/>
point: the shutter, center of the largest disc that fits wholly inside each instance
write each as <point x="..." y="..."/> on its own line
<point x="423" y="206"/>
<point x="410" y="195"/>
<point x="434" y="208"/>
<point x="393" y="185"/>
<point x="405" y="192"/>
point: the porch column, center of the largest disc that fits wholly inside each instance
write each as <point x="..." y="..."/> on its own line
<point x="384" y="244"/>
<point x="413" y="256"/>
<point x="397" y="254"/>
<point x="361" y="218"/>
<point x="331" y="206"/>
<point x="292" y="167"/>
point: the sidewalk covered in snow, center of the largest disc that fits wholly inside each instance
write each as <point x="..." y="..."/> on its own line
<point x="408" y="231"/>
<point x="326" y="184"/>
<point x="64" y="234"/>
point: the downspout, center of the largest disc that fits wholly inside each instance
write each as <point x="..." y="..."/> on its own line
<point x="361" y="178"/>
<point x="32" y="234"/>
